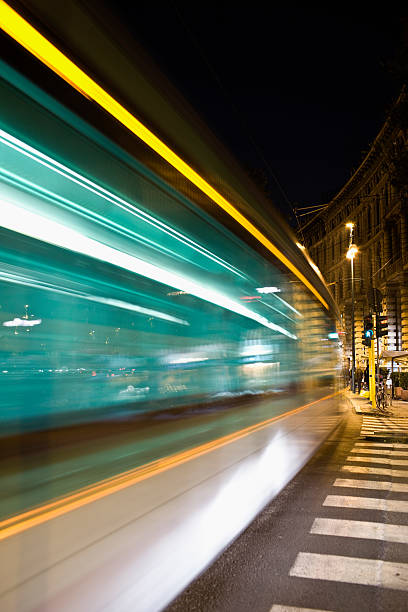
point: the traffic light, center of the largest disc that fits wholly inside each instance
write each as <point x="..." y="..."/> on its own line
<point x="368" y="332"/>
<point x="382" y="326"/>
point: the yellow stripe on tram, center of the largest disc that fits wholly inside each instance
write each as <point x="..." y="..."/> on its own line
<point x="42" y="514"/>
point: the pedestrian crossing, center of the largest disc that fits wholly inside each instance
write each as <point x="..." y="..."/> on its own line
<point x="349" y="483"/>
<point x="380" y="519"/>
<point x="361" y="529"/>
<point x="383" y="460"/>
<point x="384" y="426"/>
<point x="374" y="471"/>
<point x="276" y="608"/>
<point x="372" y="572"/>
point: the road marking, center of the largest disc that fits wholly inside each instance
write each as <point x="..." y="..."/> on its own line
<point x="379" y="451"/>
<point x="366" y="503"/>
<point x="384" y="423"/>
<point x="385" y="419"/>
<point x="278" y="608"/>
<point x="387" y="429"/>
<point x="371" y="572"/>
<point x="361" y="469"/>
<point x="387" y="424"/>
<point x="377" y="429"/>
<point x="394" y="487"/>
<point x="381" y="445"/>
<point x="360" y="529"/>
<point x="379" y="460"/>
<point x="384" y="427"/>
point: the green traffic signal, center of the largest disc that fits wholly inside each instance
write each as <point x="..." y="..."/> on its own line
<point x="368" y="332"/>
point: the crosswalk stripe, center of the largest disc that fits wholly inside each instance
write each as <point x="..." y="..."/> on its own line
<point x="403" y="422"/>
<point x="378" y="451"/>
<point x="366" y="503"/>
<point x="360" y="469"/>
<point x="384" y="428"/>
<point x="384" y="460"/>
<point x="387" y="428"/>
<point x="278" y="608"/>
<point x="382" y="417"/>
<point x="367" y="419"/>
<point x="355" y="570"/>
<point x="381" y="445"/>
<point x="360" y="529"/>
<point x="386" y="418"/>
<point x="387" y="424"/>
<point x="394" y="487"/>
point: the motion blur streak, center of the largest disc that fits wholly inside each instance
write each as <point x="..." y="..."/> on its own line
<point x="28" y="282"/>
<point x="19" y="29"/>
<point x="40" y="515"/>
<point x="85" y="183"/>
<point x="41" y="228"/>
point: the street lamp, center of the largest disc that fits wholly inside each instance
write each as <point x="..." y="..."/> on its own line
<point x="351" y="253"/>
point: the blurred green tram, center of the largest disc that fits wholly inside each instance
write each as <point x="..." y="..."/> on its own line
<point x="124" y="289"/>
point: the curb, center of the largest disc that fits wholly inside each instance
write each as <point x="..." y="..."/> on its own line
<point x="360" y="409"/>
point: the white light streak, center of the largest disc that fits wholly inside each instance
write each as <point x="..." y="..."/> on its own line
<point x="268" y="290"/>
<point x="130" y="208"/>
<point x="16" y="322"/>
<point x="37" y="284"/>
<point x="23" y="221"/>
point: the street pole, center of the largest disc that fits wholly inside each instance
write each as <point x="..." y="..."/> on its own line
<point x="353" y="340"/>
<point x="351" y="253"/>
<point x="371" y="371"/>
<point x="377" y="317"/>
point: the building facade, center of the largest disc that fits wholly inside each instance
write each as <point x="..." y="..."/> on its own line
<point x="375" y="199"/>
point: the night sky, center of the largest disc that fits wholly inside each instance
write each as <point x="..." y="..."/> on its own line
<point x="296" y="93"/>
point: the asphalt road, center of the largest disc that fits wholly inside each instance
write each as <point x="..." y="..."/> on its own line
<point x="355" y="560"/>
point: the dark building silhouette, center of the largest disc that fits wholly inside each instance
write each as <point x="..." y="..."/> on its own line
<point x="375" y="199"/>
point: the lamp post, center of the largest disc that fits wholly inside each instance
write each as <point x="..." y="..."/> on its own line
<point x="351" y="253"/>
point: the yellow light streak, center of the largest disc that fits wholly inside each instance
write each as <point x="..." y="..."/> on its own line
<point x="27" y="36"/>
<point x="37" y="516"/>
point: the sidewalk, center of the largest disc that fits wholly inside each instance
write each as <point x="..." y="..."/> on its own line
<point x="361" y="405"/>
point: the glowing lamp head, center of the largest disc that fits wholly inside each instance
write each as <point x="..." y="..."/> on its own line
<point x="351" y="253"/>
<point x="350" y="225"/>
<point x="300" y="246"/>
